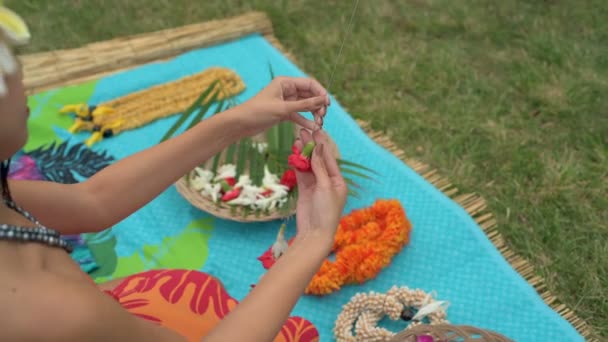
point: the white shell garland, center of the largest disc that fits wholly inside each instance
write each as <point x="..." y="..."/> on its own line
<point x="251" y="195"/>
<point x="365" y="310"/>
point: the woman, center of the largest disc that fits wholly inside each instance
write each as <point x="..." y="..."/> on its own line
<point x="44" y="295"/>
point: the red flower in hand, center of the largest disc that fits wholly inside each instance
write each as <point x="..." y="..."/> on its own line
<point x="289" y="179"/>
<point x="301" y="160"/>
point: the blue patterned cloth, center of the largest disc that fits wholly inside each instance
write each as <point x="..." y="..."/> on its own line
<point x="448" y="253"/>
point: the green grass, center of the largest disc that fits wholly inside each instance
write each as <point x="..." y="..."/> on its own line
<point x="504" y="97"/>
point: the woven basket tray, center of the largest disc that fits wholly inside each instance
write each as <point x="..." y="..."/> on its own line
<point x="449" y="333"/>
<point x="238" y="214"/>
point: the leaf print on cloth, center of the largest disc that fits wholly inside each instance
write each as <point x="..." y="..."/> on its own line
<point x="61" y="163"/>
<point x="191" y="303"/>
<point x="186" y="250"/>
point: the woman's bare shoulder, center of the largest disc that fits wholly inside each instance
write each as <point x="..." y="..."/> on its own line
<point x="50" y="308"/>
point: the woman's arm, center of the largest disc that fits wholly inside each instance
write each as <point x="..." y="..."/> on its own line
<point x="260" y="316"/>
<point x="120" y="189"/>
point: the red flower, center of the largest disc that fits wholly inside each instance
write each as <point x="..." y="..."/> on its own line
<point x="299" y="162"/>
<point x="231" y="181"/>
<point x="267" y="193"/>
<point x="232" y="194"/>
<point x="289" y="179"/>
<point x="268" y="259"/>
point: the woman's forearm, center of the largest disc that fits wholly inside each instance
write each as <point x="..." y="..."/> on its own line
<point x="129" y="184"/>
<point x="260" y="316"/>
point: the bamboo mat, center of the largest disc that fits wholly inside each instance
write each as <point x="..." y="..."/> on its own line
<point x="60" y="68"/>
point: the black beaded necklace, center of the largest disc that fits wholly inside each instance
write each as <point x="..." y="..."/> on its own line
<point x="39" y="234"/>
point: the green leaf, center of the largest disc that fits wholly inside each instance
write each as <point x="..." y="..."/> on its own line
<point x="272" y="139"/>
<point x="286" y="137"/>
<point x="355" y="173"/>
<point x="352" y="183"/>
<point x="246" y="211"/>
<point x="271" y="71"/>
<point x="230" y="154"/>
<point x="198" y="117"/>
<point x="342" y="162"/>
<point x="241" y="157"/>
<point x="216" y="163"/>
<point x="292" y="199"/>
<point x="196" y="104"/>
<point x="254" y="162"/>
<point x="285" y="141"/>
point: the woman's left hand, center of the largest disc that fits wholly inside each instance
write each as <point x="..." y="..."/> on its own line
<point x="282" y="100"/>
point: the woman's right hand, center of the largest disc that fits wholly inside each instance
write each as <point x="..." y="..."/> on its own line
<point x="321" y="193"/>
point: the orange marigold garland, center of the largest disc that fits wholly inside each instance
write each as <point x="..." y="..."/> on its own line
<point x="365" y="243"/>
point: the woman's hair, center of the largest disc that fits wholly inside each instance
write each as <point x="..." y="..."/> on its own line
<point x="4" y="168"/>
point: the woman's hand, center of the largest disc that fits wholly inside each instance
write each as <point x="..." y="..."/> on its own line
<point x="321" y="193"/>
<point x="281" y="101"/>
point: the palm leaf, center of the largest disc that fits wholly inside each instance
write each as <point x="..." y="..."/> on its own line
<point x="272" y="136"/>
<point x="204" y="108"/>
<point x="246" y="211"/>
<point x="291" y="202"/>
<point x="230" y="154"/>
<point x="215" y="163"/>
<point x="351" y="183"/>
<point x="271" y="71"/>
<point x="286" y="139"/>
<point x="200" y="101"/>
<point x="354" y="173"/>
<point x="253" y="164"/>
<point x="241" y="156"/>
<point x="343" y="162"/>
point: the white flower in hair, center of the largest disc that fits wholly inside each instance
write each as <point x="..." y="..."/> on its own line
<point x="14" y="28"/>
<point x="13" y="31"/>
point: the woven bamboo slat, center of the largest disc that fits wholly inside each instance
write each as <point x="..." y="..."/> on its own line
<point x="71" y="66"/>
<point x="449" y="333"/>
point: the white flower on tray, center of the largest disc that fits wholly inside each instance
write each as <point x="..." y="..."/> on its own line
<point x="212" y="190"/>
<point x="202" y="177"/>
<point x="271" y="194"/>
<point x="226" y="171"/>
<point x="244" y="180"/>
